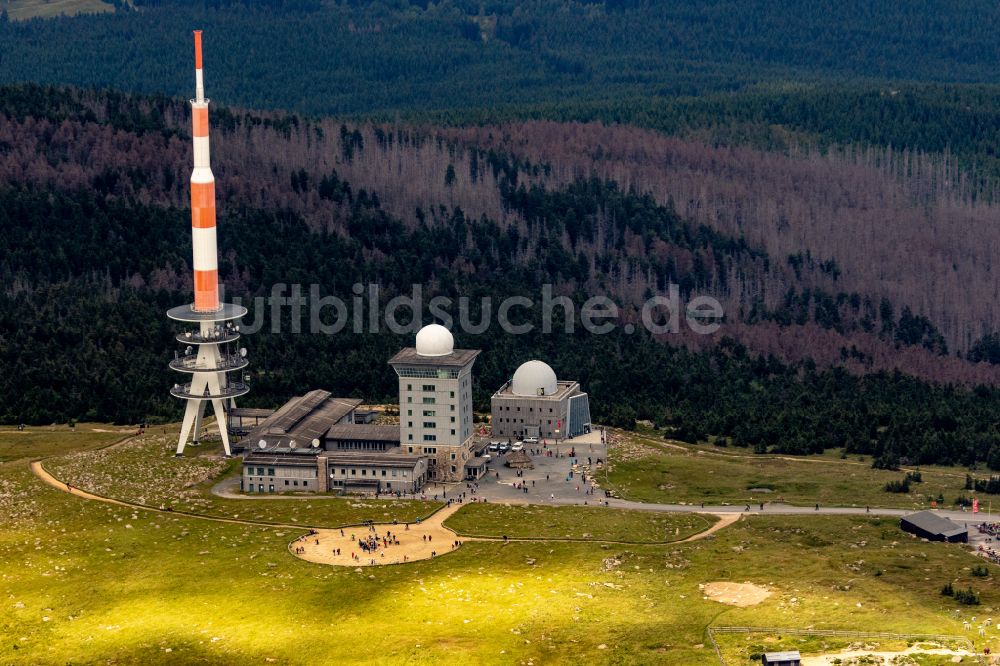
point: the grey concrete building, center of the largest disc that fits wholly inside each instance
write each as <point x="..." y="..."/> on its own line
<point x="435" y="401"/>
<point x="281" y="470"/>
<point x="535" y="403"/>
<point x="381" y="473"/>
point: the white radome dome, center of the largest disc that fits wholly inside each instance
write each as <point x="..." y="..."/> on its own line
<point x="534" y="378"/>
<point x="435" y="340"/>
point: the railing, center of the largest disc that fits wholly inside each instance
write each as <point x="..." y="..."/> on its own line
<point x="232" y="390"/>
<point x="227" y="363"/>
<point x="218" y="334"/>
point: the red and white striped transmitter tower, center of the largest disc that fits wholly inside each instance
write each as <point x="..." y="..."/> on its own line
<point x="211" y="352"/>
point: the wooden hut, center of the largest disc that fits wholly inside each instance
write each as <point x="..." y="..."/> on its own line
<point x="519" y="460"/>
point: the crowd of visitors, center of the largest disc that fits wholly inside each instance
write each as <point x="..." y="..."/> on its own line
<point x="992" y="532"/>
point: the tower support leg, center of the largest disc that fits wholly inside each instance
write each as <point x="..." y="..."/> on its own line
<point x="190" y="412"/>
<point x="220" y="420"/>
<point x="196" y="435"/>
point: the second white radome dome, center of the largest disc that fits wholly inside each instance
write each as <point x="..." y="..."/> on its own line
<point x="534" y="378"/>
<point x="435" y="340"/>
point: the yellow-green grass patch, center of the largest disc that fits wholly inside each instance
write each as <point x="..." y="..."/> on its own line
<point x="576" y="522"/>
<point x="650" y="470"/>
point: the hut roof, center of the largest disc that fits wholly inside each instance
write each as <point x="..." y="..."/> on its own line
<point x="519" y="459"/>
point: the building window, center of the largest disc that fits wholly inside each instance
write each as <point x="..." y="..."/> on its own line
<point x="409" y="398"/>
<point x="429" y="387"/>
<point x="364" y="472"/>
<point x="430" y="438"/>
<point x="453" y="456"/>
<point x="429" y="401"/>
<point x="286" y="482"/>
<point x="270" y="471"/>
<point x="354" y="472"/>
<point x="430" y="412"/>
<point x="453" y="419"/>
<point x="409" y="424"/>
<point x="410" y="438"/>
<point x="343" y="471"/>
<point x="452" y="469"/>
<point x="409" y="449"/>
<point x="409" y="387"/>
<point x="409" y="412"/>
<point x="296" y="483"/>
<point x="270" y="488"/>
<point x="428" y="424"/>
<point x="260" y="471"/>
<point x="383" y="472"/>
<point x="453" y="431"/>
<point x="451" y="394"/>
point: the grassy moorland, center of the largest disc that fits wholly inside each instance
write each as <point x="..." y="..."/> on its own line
<point x="650" y="469"/>
<point x="576" y="522"/>
<point x="45" y="441"/>
<point x="144" y="470"/>
<point x="82" y="581"/>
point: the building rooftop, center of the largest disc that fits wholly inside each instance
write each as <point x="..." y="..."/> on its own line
<point x="282" y="455"/>
<point x="303" y="419"/>
<point x="934" y="523"/>
<point x="457" y="358"/>
<point x="364" y="432"/>
<point x="790" y="655"/>
<point x="251" y="412"/>
<point x="562" y="389"/>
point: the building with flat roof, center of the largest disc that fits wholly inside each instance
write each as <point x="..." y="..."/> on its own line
<point x="435" y="401"/>
<point x="933" y="527"/>
<point x="535" y="403"/>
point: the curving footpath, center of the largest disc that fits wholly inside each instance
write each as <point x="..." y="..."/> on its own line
<point x="422" y="540"/>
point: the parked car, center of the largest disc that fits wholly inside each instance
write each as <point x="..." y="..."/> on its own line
<point x="517" y="446"/>
<point x="530" y="441"/>
<point x="493" y="447"/>
<point x="504" y="448"/>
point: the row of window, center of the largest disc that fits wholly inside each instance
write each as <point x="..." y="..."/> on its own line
<point x="506" y="408"/>
<point x="429" y="373"/>
<point x="506" y="420"/>
<point x="364" y="472"/>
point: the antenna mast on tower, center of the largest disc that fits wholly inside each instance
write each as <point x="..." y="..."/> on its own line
<point x="210" y="354"/>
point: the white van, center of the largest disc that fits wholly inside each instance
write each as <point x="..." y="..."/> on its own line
<point x="517" y="446"/>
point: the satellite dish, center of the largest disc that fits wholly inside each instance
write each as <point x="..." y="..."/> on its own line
<point x="315" y="443"/>
<point x="262" y="444"/>
<point x="292" y="444"/>
<point x="243" y="352"/>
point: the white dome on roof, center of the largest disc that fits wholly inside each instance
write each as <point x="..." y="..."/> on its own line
<point x="534" y="378"/>
<point x="435" y="340"/>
